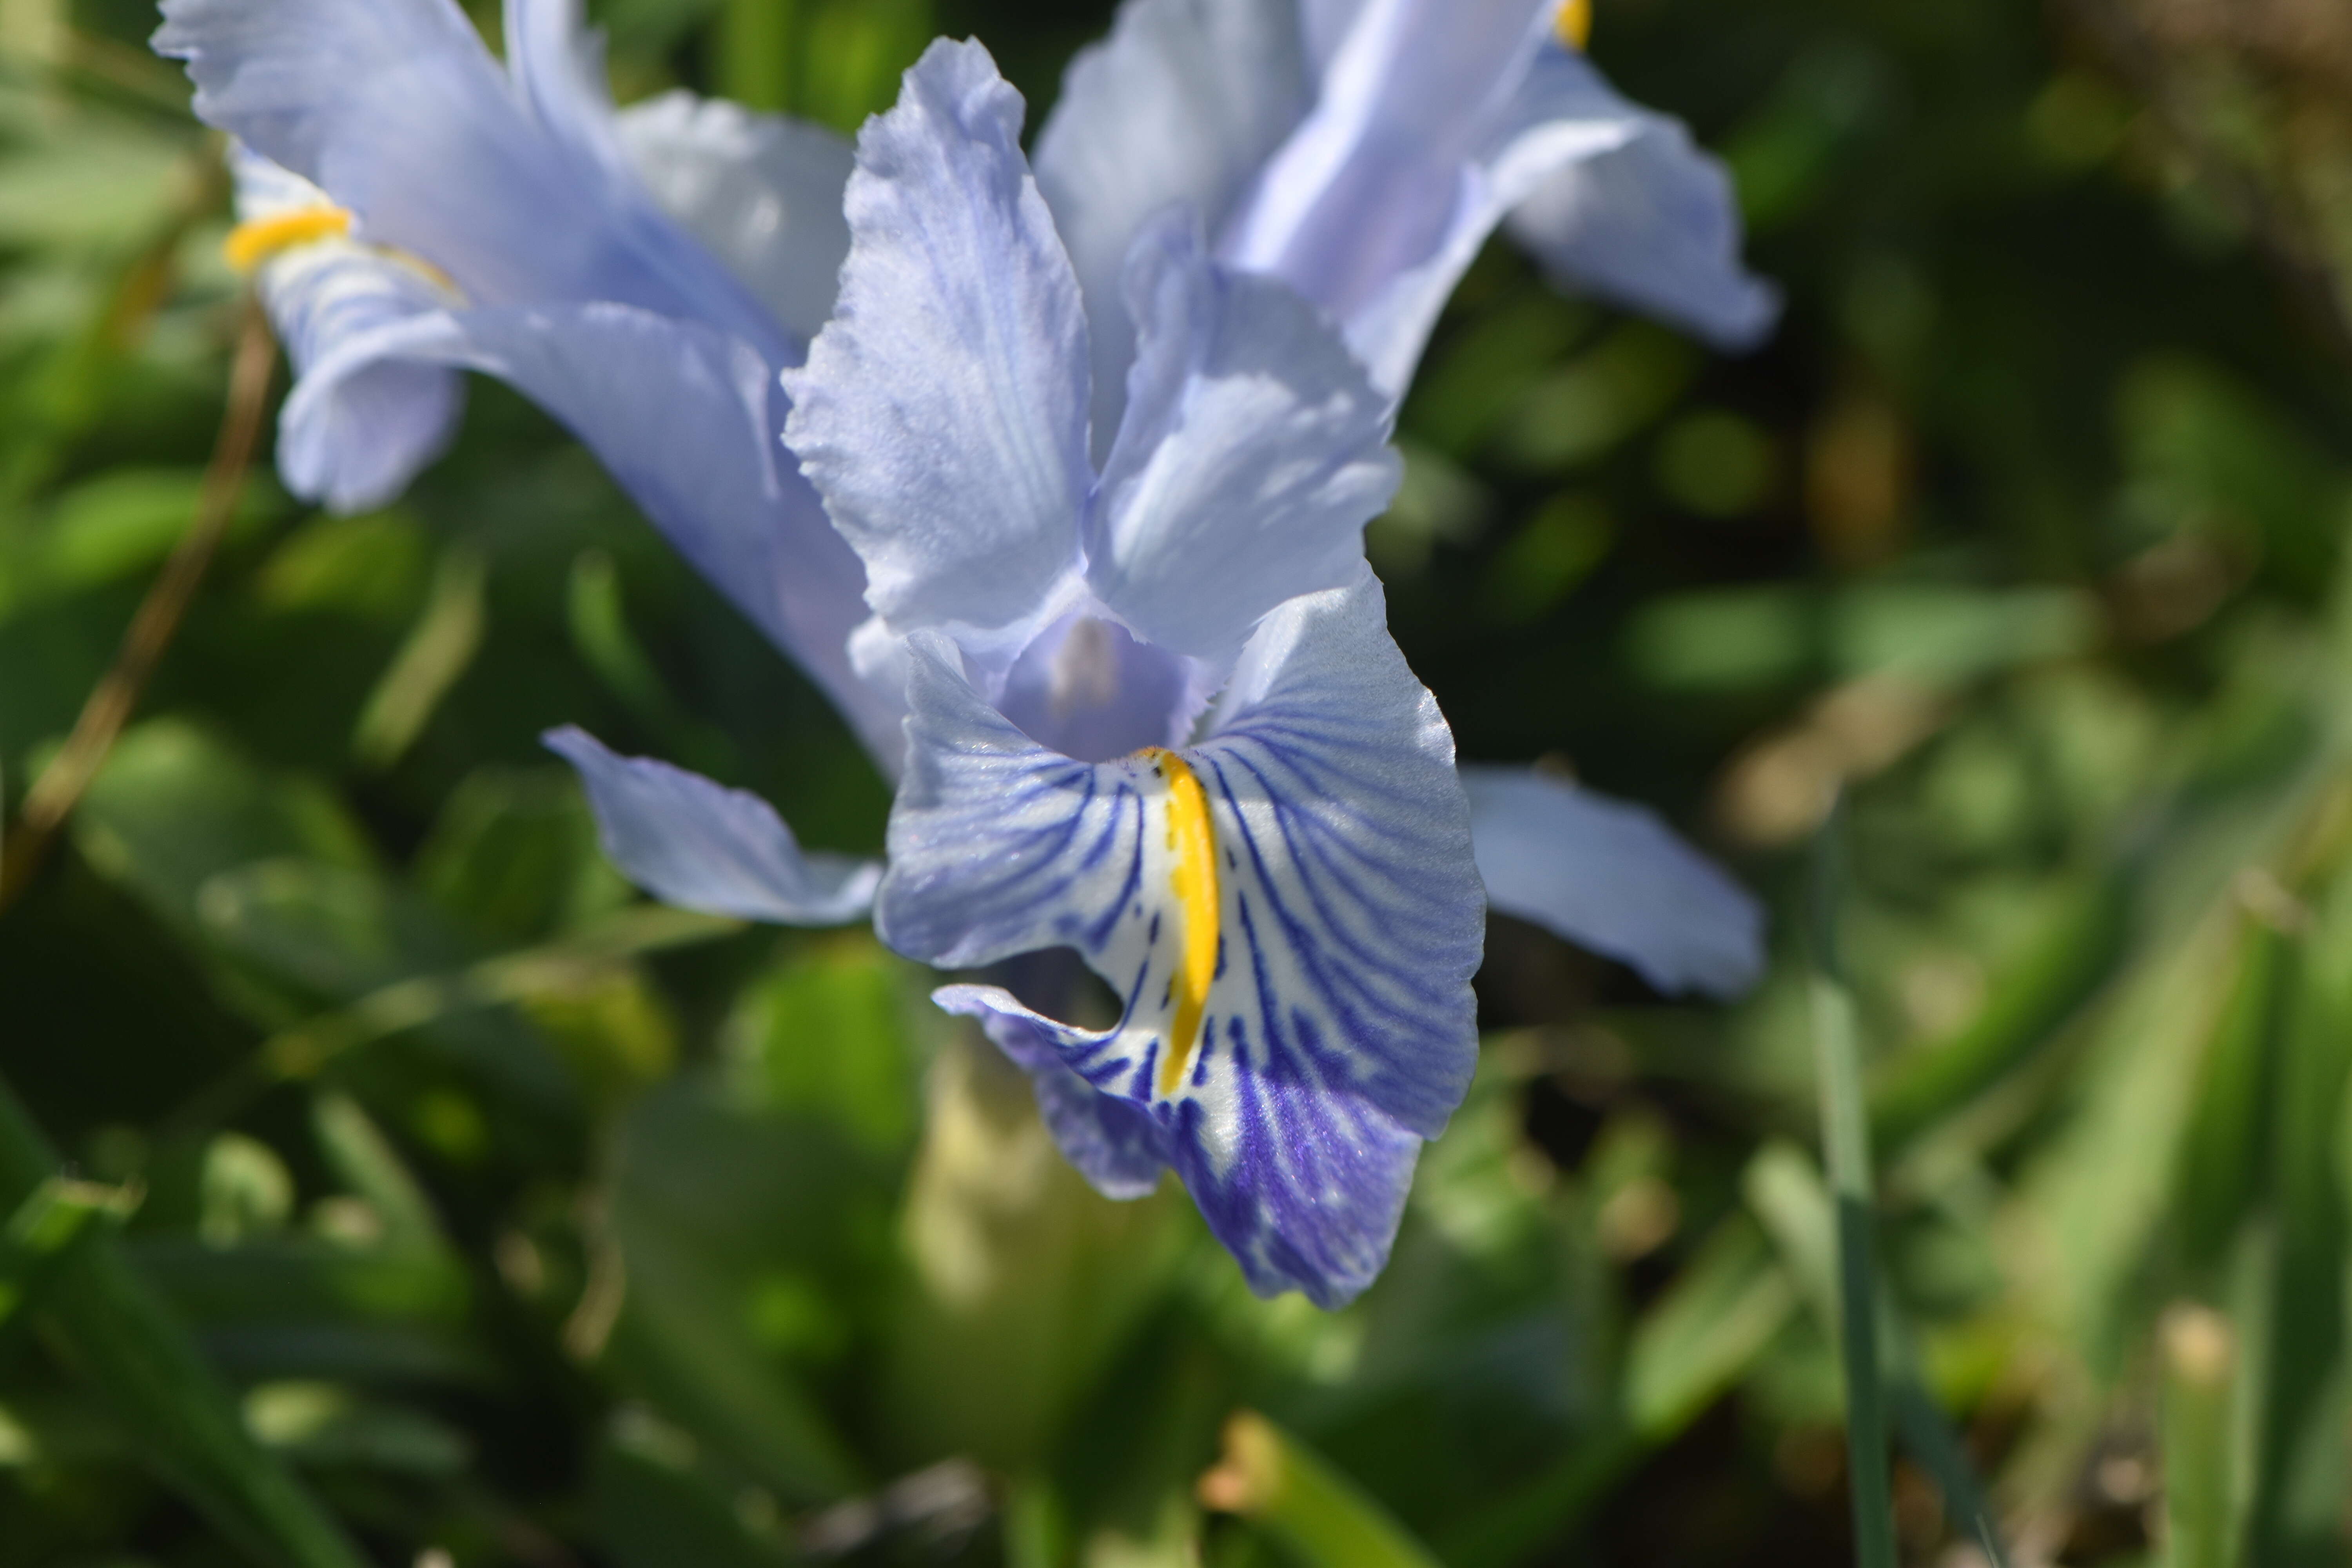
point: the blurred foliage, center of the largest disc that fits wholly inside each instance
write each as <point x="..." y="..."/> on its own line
<point x="388" y="1171"/>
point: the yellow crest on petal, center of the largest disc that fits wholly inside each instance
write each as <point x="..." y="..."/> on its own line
<point x="1193" y="882"/>
<point x="249" y="245"/>
<point x="1576" y="23"/>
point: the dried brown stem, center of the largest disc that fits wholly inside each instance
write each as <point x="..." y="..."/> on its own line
<point x="111" y="703"/>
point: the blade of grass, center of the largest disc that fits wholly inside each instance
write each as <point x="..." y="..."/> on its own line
<point x="1271" y="1479"/>
<point x="2297" y="1491"/>
<point x="2067" y="966"/>
<point x="1697" y="1341"/>
<point x="1785" y="1190"/>
<point x="1845" y="1132"/>
<point x="44" y="1232"/>
<point x="2199" y="1354"/>
<point x="557" y="968"/>
<point x="113" y="1328"/>
<point x="440" y="648"/>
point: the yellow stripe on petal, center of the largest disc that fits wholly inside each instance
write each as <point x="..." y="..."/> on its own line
<point x="1192" y="881"/>
<point x="250" y="244"/>
<point x="1576" y="23"/>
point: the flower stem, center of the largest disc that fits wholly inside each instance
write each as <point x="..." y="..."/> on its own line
<point x="1272" y="1478"/>
<point x="1845" y="1134"/>
<point x="2199" y="1356"/>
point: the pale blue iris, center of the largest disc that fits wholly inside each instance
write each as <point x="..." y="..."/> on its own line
<point x="1071" y="635"/>
<point x="1093" y="484"/>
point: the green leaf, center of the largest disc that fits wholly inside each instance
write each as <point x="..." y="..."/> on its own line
<point x="366" y="1161"/>
<point x="323" y="1426"/>
<point x="514" y="856"/>
<point x="1601" y="399"/>
<point x="2297" y="1507"/>
<point x="376" y="568"/>
<point x="826" y="1034"/>
<point x="129" y="1346"/>
<point x="57" y="1217"/>
<point x="1785" y="1190"/>
<point x="653" y="1502"/>
<point x="739" y="1236"/>
<point x="177" y="804"/>
<point x="128" y="519"/>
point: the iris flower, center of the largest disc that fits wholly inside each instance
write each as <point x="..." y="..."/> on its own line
<point x="1154" y="715"/>
<point x="1152" y="650"/>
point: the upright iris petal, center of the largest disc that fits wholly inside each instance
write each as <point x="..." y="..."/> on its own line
<point x="1362" y="151"/>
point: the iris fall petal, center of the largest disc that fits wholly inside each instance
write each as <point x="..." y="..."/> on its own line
<point x="1609" y="876"/>
<point x="701" y="846"/>
<point x="1286" y="911"/>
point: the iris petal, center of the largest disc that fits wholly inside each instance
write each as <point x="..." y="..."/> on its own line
<point x="1179" y="106"/>
<point x="1335" y="1029"/>
<point x="1653" y="223"/>
<point x="761" y="191"/>
<point x="1114" y="1144"/>
<point x="398" y="113"/>
<point x="1254" y="452"/>
<point x="1427" y="122"/>
<point x="943" y="411"/>
<point x="1610" y="877"/>
<point x="1370" y="186"/>
<point x="685" y="417"/>
<point x="355" y="445"/>
<point x="699" y="845"/>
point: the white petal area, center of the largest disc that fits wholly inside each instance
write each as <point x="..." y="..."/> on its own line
<point x="1621" y="203"/>
<point x="1652" y="222"/>
<point x="396" y="110"/>
<point x="942" y="413"/>
<point x="358" y="446"/>
<point x="367" y="430"/>
<point x="1609" y="876"/>
<point x="1254" y="452"/>
<point x="558" y="66"/>
<point x="686" y="420"/>
<point x="1327" y="24"/>
<point x="761" y="191"/>
<point x="1369" y="186"/>
<point x="1336" y="1031"/>
<point x="702" y="847"/>
<point x="1179" y="106"/>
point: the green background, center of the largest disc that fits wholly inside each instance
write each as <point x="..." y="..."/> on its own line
<point x="386" y="1175"/>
